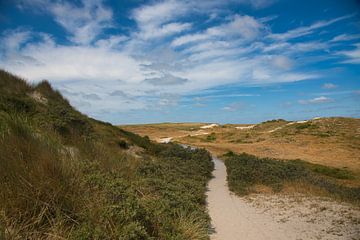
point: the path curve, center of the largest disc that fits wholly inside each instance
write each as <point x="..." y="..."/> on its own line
<point x="233" y="218"/>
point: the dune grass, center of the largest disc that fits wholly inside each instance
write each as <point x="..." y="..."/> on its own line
<point x="246" y="171"/>
<point x="66" y="176"/>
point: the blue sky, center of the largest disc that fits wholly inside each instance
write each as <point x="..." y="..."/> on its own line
<point x="231" y="61"/>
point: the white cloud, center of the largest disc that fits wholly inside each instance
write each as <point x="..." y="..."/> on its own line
<point x="111" y="42"/>
<point x="233" y="107"/>
<point x="153" y="31"/>
<point x="317" y="100"/>
<point x="189" y="38"/>
<point x="159" y="12"/>
<point x="165" y="79"/>
<point x="84" y="22"/>
<point x="303" y="31"/>
<point x="156" y="20"/>
<point x="353" y="56"/>
<point x="67" y="63"/>
<point x="282" y="62"/>
<point x="245" y="27"/>
<point x="329" y="86"/>
<point x="295" y="47"/>
<point x="345" y="37"/>
<point x="12" y="40"/>
<point x="260" y="74"/>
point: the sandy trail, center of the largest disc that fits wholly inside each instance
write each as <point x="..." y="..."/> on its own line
<point x="276" y="217"/>
<point x="233" y="218"/>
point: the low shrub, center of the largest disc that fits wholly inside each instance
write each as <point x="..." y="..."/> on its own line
<point x="123" y="144"/>
<point x="245" y="171"/>
<point x="211" y="137"/>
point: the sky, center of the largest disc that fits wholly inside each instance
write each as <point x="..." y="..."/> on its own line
<point x="229" y="61"/>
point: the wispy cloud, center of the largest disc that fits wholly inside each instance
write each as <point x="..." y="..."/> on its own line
<point x="245" y="27"/>
<point x="234" y="107"/>
<point x="329" y="86"/>
<point x="303" y="31"/>
<point x="317" y="100"/>
<point x="166" y="79"/>
<point x="84" y="23"/>
<point x="353" y="56"/>
<point x="154" y="20"/>
<point x="345" y="37"/>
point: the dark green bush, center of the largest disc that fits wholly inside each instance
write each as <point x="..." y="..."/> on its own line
<point x="123" y="144"/>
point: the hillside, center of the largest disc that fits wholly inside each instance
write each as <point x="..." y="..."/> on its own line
<point x="64" y="175"/>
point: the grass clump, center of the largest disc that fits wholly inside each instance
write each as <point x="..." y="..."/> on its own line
<point x="211" y="137"/>
<point x="246" y="171"/>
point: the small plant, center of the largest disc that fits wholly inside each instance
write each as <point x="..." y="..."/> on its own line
<point x="211" y="137"/>
<point x="123" y="144"/>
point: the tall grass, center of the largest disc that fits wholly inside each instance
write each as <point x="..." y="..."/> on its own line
<point x="66" y="176"/>
<point x="38" y="184"/>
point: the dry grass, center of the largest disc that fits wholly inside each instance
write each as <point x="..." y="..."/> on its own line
<point x="162" y="130"/>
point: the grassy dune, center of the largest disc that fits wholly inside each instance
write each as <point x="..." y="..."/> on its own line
<point x="66" y="176"/>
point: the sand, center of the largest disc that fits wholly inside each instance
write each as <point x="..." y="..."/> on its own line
<point x="276" y="217"/>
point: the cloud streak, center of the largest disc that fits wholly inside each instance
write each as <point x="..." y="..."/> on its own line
<point x="318" y="100"/>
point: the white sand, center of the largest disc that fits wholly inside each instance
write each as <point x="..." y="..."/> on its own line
<point x="209" y="126"/>
<point x="165" y="140"/>
<point x="199" y="133"/>
<point x="246" y="127"/>
<point x="263" y="219"/>
<point x="278" y="128"/>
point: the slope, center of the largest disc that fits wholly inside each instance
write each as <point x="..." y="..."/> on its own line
<point x="64" y="175"/>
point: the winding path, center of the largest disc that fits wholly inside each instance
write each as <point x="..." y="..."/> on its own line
<point x="233" y="218"/>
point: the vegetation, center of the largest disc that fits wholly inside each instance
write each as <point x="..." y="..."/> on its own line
<point x="211" y="137"/>
<point x="245" y="171"/>
<point x="66" y="176"/>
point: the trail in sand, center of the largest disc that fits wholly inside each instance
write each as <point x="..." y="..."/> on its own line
<point x="235" y="219"/>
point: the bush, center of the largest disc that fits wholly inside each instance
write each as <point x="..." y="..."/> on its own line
<point x="123" y="144"/>
<point x="245" y="171"/>
<point x="211" y="137"/>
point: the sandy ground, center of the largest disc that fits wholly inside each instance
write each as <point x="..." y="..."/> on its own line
<point x="275" y="217"/>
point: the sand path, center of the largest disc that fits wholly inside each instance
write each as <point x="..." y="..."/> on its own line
<point x="233" y="218"/>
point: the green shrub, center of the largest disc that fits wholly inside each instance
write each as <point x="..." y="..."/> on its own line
<point x="123" y="144"/>
<point x="211" y="137"/>
<point x="245" y="171"/>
